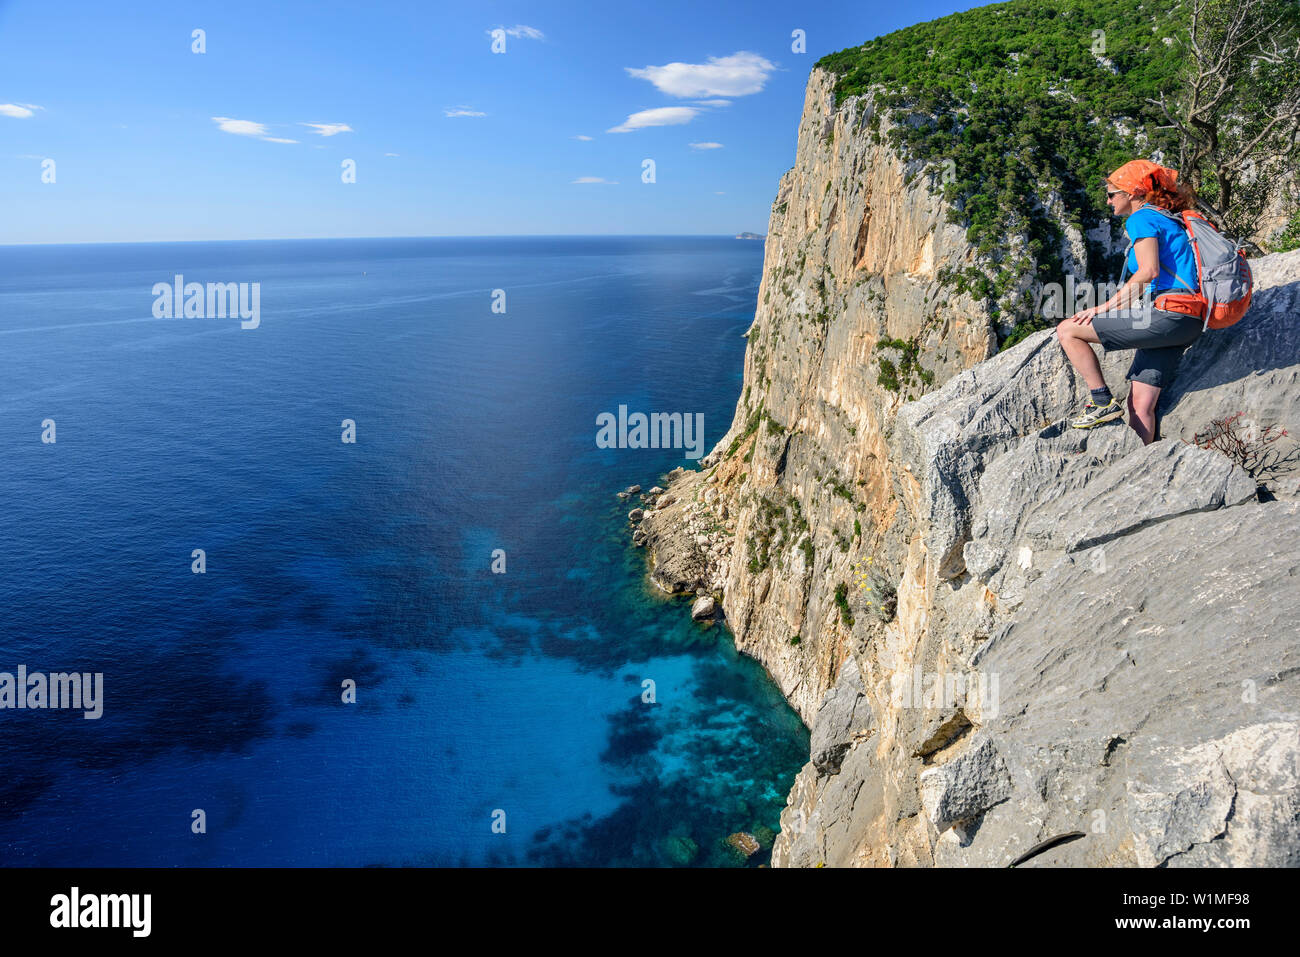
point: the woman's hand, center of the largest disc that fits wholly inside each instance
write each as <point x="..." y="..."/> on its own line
<point x="1084" y="316"/>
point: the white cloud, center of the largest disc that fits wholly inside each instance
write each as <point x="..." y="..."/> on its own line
<point x="740" y="74"/>
<point x="19" y="111"/>
<point x="705" y="146"/>
<point x="247" y="128"/>
<point x="596" y="179"/>
<point x="392" y="154"/>
<point x="239" y="127"/>
<point x="462" y="111"/>
<point x="580" y="136"/>
<point x="329" y="129"/>
<point x="660" y="116"/>
<point x="521" y="31"/>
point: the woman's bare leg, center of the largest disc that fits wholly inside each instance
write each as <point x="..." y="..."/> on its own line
<point x="1075" y="338"/>
<point x="1142" y="400"/>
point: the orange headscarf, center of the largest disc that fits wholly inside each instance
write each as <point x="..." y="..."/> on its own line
<point x="1141" y="176"/>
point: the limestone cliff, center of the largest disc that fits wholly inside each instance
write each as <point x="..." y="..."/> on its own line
<point x="852" y="256"/>
<point x="1011" y="640"/>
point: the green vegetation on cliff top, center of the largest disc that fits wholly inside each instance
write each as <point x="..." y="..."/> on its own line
<point x="1025" y="98"/>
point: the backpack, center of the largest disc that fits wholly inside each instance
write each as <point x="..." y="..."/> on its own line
<point x="1225" y="280"/>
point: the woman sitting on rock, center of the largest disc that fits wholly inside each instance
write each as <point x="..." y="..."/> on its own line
<point x="1161" y="254"/>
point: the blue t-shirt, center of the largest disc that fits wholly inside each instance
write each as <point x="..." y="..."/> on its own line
<point x="1175" y="249"/>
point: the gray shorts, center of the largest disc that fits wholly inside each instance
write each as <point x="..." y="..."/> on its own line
<point x="1159" y="337"/>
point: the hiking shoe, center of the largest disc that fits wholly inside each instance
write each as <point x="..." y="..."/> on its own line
<point x="1094" y="414"/>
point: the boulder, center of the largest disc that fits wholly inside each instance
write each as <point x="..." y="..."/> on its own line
<point x="966" y="787"/>
<point x="703" y="608"/>
<point x="743" y="842"/>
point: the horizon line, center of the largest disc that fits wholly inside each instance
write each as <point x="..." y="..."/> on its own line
<point x="282" y="239"/>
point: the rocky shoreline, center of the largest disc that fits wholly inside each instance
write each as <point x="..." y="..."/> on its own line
<point x="688" y="532"/>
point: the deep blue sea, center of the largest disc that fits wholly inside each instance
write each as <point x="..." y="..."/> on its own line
<point x="481" y="698"/>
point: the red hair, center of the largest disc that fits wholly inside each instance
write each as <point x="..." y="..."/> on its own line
<point x="1181" y="197"/>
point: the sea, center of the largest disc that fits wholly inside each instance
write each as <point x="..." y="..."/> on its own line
<point x="354" y="576"/>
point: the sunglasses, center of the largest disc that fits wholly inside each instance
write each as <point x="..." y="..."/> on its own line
<point x="1112" y="192"/>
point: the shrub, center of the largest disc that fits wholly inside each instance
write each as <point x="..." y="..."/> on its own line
<point x="1251" y="447"/>
<point x="909" y="364"/>
<point x="888" y="376"/>
<point x="881" y="597"/>
<point x="842" y="601"/>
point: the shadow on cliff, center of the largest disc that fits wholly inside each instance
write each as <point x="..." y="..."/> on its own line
<point x="1263" y="341"/>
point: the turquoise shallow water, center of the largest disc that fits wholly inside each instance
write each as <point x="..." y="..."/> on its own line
<point x="480" y="697"/>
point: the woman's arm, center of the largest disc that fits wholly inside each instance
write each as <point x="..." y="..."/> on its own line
<point x="1147" y="251"/>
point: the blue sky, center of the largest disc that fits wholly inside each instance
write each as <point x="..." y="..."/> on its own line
<point x="151" y="141"/>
